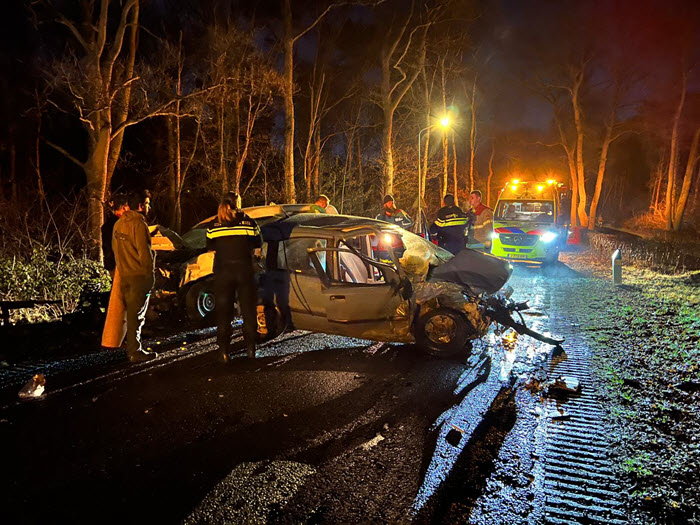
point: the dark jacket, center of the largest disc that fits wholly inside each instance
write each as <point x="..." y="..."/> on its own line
<point x="234" y="241"/>
<point x="395" y="216"/>
<point x="449" y="228"/>
<point x="131" y="243"/>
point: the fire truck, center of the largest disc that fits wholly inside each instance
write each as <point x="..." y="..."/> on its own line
<point x="531" y="221"/>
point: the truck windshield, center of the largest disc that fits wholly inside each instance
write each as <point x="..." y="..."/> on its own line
<point x="525" y="211"/>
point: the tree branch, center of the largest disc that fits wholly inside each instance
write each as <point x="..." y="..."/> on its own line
<point x="65" y="153"/>
<point x="64" y="21"/>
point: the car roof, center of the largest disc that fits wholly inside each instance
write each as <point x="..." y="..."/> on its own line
<point x="338" y="223"/>
<point x="262" y="212"/>
<point x="298" y="215"/>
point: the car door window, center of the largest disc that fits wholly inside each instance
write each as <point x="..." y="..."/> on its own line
<point x="352" y="269"/>
<point x="293" y="254"/>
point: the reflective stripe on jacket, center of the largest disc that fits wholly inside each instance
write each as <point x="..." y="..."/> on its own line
<point x="396" y="216"/>
<point x="234" y="241"/>
<point x="449" y="228"/>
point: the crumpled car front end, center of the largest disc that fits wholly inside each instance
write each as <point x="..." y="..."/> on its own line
<point x="471" y="283"/>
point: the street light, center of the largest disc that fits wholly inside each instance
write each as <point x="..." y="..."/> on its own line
<point x="444" y="122"/>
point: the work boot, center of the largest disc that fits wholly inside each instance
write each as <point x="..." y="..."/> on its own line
<point x="251" y="352"/>
<point x="139" y="356"/>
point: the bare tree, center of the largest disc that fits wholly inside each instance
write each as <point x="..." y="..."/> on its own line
<point x="690" y="166"/>
<point x="472" y="129"/>
<point x="611" y="133"/>
<point x="99" y="75"/>
<point x="290" y="39"/>
<point x="673" y="155"/>
<point x="490" y="176"/>
<point x="241" y="87"/>
<point x="400" y="41"/>
<point x="577" y="74"/>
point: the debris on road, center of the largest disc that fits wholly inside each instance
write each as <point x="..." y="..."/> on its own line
<point x="566" y="384"/>
<point x="34" y="388"/>
<point x="372" y="442"/>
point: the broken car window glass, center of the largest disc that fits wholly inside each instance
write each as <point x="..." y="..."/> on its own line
<point x="294" y="256"/>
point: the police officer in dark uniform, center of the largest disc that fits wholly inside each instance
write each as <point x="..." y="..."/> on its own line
<point x="234" y="237"/>
<point x="450" y="226"/>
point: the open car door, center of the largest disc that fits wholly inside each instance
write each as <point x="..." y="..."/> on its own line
<point x="364" y="298"/>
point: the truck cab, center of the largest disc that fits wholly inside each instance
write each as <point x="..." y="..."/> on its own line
<point x="530" y="221"/>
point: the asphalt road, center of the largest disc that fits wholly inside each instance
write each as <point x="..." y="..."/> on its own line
<point x="317" y="429"/>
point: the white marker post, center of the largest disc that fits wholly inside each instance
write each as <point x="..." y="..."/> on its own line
<point x="617" y="267"/>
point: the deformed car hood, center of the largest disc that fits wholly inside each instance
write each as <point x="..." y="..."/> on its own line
<point x="477" y="271"/>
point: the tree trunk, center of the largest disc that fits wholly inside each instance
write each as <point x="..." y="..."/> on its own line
<point x="607" y="139"/>
<point x="387" y="133"/>
<point x="445" y="162"/>
<point x="580" y="170"/>
<point x="687" y="182"/>
<point x="317" y="156"/>
<point x="359" y="162"/>
<point x="472" y="135"/>
<point x="96" y="175"/>
<point x="172" y="177"/>
<point x="289" y="188"/>
<point x="424" y="178"/>
<point x="656" y="193"/>
<point x="123" y="103"/>
<point x="454" y="166"/>
<point x="570" y="158"/>
<point x="673" y="158"/>
<point x="488" y="180"/>
<point x="222" y="155"/>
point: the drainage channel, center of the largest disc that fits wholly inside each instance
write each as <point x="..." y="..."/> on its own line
<point x="580" y="484"/>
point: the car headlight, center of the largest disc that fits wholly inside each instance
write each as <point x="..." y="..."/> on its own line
<point x="548" y="237"/>
<point x="493" y="235"/>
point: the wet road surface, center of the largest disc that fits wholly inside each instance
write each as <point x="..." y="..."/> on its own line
<point x="318" y="429"/>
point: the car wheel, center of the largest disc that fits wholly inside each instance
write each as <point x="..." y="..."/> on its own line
<point x="552" y="259"/>
<point x="200" y="302"/>
<point x="444" y="332"/>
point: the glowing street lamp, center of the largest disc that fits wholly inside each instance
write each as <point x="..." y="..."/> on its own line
<point x="445" y="123"/>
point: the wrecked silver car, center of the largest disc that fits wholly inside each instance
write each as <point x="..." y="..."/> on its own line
<point x="368" y="279"/>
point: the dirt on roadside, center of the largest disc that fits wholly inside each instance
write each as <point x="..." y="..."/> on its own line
<point x="645" y="336"/>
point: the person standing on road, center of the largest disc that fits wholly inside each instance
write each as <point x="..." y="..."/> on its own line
<point x="115" y="322"/>
<point x="322" y="202"/>
<point x="117" y="207"/>
<point x="483" y="226"/>
<point x="394" y="215"/>
<point x="450" y="225"/>
<point x="276" y="286"/>
<point x="131" y="242"/>
<point x="234" y="237"/>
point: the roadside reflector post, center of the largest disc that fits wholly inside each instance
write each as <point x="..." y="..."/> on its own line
<point x="617" y="267"/>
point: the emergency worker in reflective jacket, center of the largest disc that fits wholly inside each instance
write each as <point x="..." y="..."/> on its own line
<point x="450" y="225"/>
<point x="234" y="237"/>
<point x="394" y="215"/>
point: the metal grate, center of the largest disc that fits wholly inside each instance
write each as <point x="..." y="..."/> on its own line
<point x="580" y="482"/>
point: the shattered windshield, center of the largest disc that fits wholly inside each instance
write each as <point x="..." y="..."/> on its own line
<point x="419" y="254"/>
<point x="525" y="210"/>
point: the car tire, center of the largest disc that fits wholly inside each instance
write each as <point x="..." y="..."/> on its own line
<point x="552" y="259"/>
<point x="444" y="332"/>
<point x="200" y="303"/>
